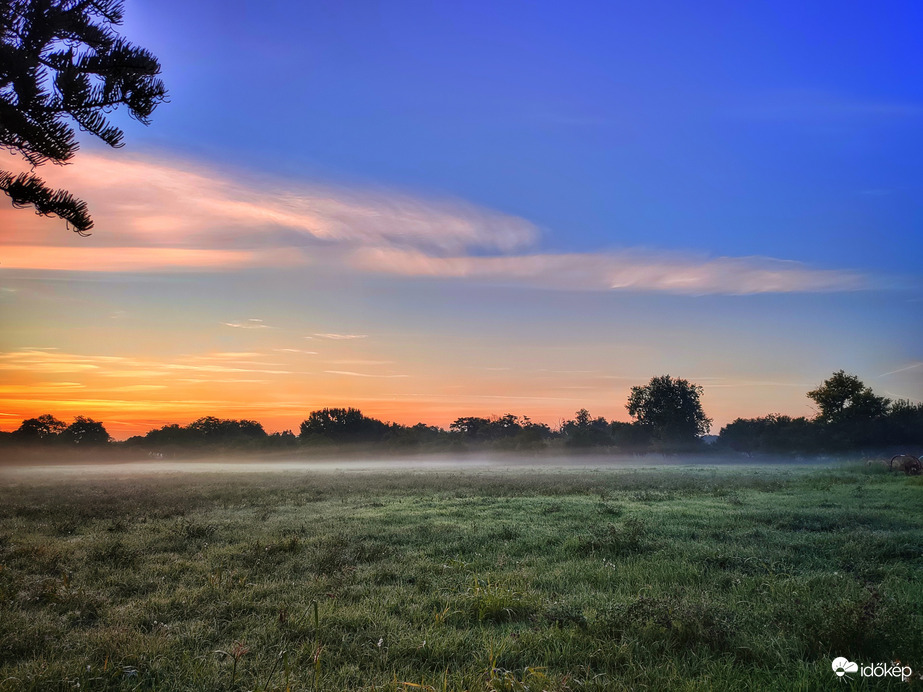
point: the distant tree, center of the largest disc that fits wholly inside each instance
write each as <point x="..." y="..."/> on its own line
<point x="212" y="430"/>
<point x="342" y="425"/>
<point x="844" y="398"/>
<point x="168" y="436"/>
<point x="44" y="428"/>
<point x="417" y="435"/>
<point x="670" y="408"/>
<point x="60" y="61"/>
<point x="533" y="435"/>
<point x="282" y="440"/>
<point x="506" y="426"/>
<point x="422" y="432"/>
<point x="774" y="433"/>
<point x="904" y="423"/>
<point x="630" y="437"/>
<point x="470" y="427"/>
<point x="586" y="431"/>
<point x="742" y="435"/>
<point x="85" y="432"/>
<point x="504" y="432"/>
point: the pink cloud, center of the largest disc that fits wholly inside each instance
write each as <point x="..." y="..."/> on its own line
<point x="636" y="271"/>
<point x="156" y="202"/>
<point x="157" y="215"/>
<point x="124" y="259"/>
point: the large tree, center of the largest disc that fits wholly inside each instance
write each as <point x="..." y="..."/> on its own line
<point x="844" y="398"/>
<point x="45" y="428"/>
<point x="85" y="432"/>
<point x="670" y="408"/>
<point x="62" y="64"/>
<point x="342" y="425"/>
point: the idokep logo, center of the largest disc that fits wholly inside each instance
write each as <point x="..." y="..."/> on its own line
<point x="844" y="667"/>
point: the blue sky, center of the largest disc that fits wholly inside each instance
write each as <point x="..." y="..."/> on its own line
<point x="491" y="207"/>
<point x="776" y="129"/>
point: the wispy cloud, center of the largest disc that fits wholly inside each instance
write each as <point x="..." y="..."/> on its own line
<point x="137" y="388"/>
<point x="136" y="259"/>
<point x="341" y="337"/>
<point x="816" y="105"/>
<point x="222" y="380"/>
<point x="636" y="271"/>
<point x="155" y="215"/>
<point x="912" y="366"/>
<point x="361" y="374"/>
<point x="54" y="361"/>
<point x="177" y="204"/>
<point x="252" y="323"/>
<point x="40" y="388"/>
<point x="220" y="368"/>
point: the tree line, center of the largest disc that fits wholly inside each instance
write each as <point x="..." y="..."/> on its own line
<point x="667" y="416"/>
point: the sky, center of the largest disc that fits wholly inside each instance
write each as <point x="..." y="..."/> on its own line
<point x="429" y="210"/>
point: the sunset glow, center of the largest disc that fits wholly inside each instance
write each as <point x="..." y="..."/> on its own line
<point x="518" y="231"/>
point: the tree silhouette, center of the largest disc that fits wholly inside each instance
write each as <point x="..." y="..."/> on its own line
<point x="85" y="432"/>
<point x="342" y="425"/>
<point x="586" y="431"/>
<point x="60" y="61"/>
<point x="212" y="430"/>
<point x="670" y="408"/>
<point x="470" y="426"/>
<point x="772" y="433"/>
<point x="844" y="398"/>
<point x="44" y="428"/>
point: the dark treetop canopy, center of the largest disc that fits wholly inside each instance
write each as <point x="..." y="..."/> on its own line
<point x="61" y="62"/>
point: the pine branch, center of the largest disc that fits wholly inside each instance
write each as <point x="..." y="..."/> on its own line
<point x="27" y="189"/>
<point x="61" y="60"/>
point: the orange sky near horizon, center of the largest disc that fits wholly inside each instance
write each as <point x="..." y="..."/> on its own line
<point x="201" y="296"/>
<point x="280" y="386"/>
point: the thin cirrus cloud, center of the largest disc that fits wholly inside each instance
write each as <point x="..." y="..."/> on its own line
<point x="135" y="259"/>
<point x="350" y="373"/>
<point x="155" y="215"/>
<point x="819" y="106"/>
<point x="360" y="362"/>
<point x="158" y="203"/>
<point x="626" y="271"/>
<point x="341" y="337"/>
<point x="912" y="366"/>
<point x="52" y="361"/>
<point x="252" y="323"/>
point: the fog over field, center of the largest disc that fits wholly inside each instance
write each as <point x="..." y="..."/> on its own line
<point x="55" y="467"/>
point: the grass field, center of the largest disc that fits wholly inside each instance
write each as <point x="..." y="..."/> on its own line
<point x="668" y="578"/>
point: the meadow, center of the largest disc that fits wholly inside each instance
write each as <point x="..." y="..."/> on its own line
<point x="484" y="578"/>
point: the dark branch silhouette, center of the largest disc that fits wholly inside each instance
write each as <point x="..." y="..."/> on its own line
<point x="61" y="61"/>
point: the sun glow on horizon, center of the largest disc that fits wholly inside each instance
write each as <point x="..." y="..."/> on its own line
<point x="279" y="386"/>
